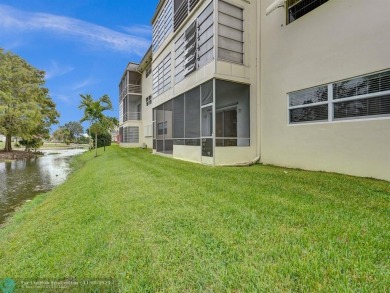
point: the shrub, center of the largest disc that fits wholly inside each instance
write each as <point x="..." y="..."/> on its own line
<point x="102" y="139"/>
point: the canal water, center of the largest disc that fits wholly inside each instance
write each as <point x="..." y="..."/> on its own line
<point x="21" y="180"/>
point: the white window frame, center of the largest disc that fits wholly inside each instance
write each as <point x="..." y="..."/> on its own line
<point x="161" y="81"/>
<point x="219" y="25"/>
<point x="331" y="102"/>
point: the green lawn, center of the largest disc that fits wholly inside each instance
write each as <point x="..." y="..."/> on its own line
<point x="158" y="224"/>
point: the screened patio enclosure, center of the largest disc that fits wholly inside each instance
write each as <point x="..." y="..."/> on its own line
<point x="196" y="124"/>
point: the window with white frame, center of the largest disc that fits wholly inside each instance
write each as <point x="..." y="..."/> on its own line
<point x="205" y="36"/>
<point x="359" y="97"/>
<point x="230" y="33"/>
<point x="181" y="9"/>
<point x="194" y="48"/>
<point x="179" y="59"/>
<point x="148" y="100"/>
<point x="163" y="25"/>
<point x="131" y="134"/>
<point x="162" y="76"/>
<point x="190" y="54"/>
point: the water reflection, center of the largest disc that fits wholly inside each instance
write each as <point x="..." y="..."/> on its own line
<point x="21" y="180"/>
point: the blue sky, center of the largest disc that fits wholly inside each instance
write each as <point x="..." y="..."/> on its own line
<point x="83" y="45"/>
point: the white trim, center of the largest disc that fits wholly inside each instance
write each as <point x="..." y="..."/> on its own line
<point x="360" y="97"/>
<point x="330" y="102"/>
<point x="343" y="120"/>
<point x="308" y="105"/>
<point x="275" y="5"/>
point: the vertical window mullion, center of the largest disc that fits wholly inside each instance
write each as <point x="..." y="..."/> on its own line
<point x="330" y="102"/>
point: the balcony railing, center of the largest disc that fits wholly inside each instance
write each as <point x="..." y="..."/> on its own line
<point x="134" y="89"/>
<point x="131" y="116"/>
<point x="131" y="89"/>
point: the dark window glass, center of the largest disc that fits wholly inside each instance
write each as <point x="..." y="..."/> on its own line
<point x="362" y="107"/>
<point x="298" y="8"/>
<point x="192" y="113"/>
<point x="306" y="114"/>
<point x="178" y="117"/>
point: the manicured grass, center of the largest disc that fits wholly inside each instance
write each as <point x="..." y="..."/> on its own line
<point x="158" y="224"/>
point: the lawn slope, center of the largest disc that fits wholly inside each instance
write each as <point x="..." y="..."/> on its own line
<point x="158" y="224"/>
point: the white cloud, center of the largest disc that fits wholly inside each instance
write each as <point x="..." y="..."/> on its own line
<point x="62" y="98"/>
<point x="82" y="84"/>
<point x="139" y="30"/>
<point x="55" y="70"/>
<point x="13" y="19"/>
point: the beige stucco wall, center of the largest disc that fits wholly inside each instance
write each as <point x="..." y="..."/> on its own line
<point x="147" y="113"/>
<point x="187" y="153"/>
<point x="233" y="155"/>
<point x="338" y="40"/>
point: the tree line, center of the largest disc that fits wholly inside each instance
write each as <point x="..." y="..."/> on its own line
<point x="27" y="110"/>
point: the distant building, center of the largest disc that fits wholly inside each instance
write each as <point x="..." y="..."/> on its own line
<point x="115" y="135"/>
<point x="296" y="83"/>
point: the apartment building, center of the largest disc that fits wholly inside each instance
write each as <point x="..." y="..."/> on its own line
<point x="296" y="83"/>
<point x="135" y="115"/>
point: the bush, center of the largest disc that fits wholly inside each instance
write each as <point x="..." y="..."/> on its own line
<point x="33" y="143"/>
<point x="83" y="139"/>
<point x="102" y="139"/>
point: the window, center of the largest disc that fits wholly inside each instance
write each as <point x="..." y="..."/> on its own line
<point x="162" y="128"/>
<point x="163" y="141"/>
<point x="163" y="25"/>
<point x="309" y="105"/>
<point x="194" y="48"/>
<point x="190" y="49"/>
<point x="205" y="30"/>
<point x="179" y="59"/>
<point x="181" y="10"/>
<point x="230" y="33"/>
<point x="148" y="100"/>
<point x="131" y="134"/>
<point x="232" y="119"/>
<point x="298" y="8"/>
<point x="162" y="76"/>
<point x="148" y="71"/>
<point x="360" y="97"/>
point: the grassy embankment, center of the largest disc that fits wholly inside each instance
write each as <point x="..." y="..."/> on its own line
<point x="158" y="224"/>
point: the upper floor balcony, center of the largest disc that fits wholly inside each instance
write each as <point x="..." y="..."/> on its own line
<point x="131" y="89"/>
<point x="130" y="108"/>
<point x="130" y="83"/>
<point x="131" y="116"/>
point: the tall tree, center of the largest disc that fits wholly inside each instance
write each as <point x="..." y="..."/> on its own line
<point x="93" y="111"/>
<point x="104" y="126"/>
<point x="75" y="129"/>
<point x="62" y="134"/>
<point x="26" y="109"/>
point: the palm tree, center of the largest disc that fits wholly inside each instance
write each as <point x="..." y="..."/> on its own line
<point x="93" y="110"/>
